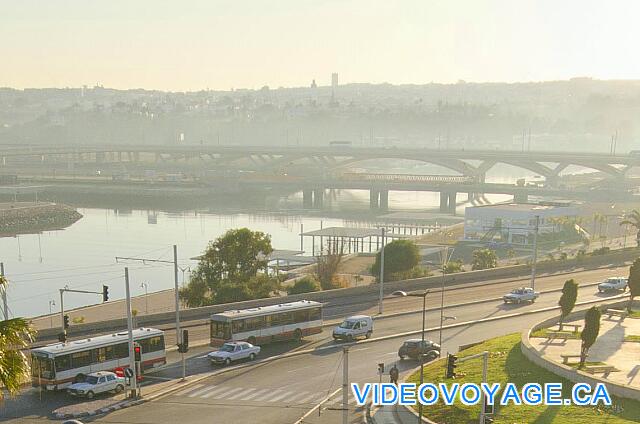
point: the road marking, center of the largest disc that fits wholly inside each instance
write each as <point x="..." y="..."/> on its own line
<point x="390" y="353"/>
<point x="303" y="368"/>
<point x="311" y="397"/>
<point x="228" y="393"/>
<point x="201" y="357"/>
<point x="259" y="392"/>
<point x="266" y="397"/>
<point x="241" y="394"/>
<point x="213" y="392"/>
<point x="279" y="397"/>
<point x="358" y="350"/>
<point x="188" y="390"/>
<point x="203" y="391"/>
<point x="297" y="394"/>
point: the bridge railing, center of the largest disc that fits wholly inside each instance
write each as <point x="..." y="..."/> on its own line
<point x="406" y="178"/>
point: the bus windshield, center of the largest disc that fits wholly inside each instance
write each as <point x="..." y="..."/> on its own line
<point x="220" y="330"/>
<point x="42" y="367"/>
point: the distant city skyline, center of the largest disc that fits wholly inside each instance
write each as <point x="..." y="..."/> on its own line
<point x="220" y="45"/>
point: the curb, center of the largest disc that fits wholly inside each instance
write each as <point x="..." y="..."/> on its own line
<point x="120" y="405"/>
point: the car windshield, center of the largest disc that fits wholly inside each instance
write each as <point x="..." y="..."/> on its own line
<point x="227" y="347"/>
<point x="91" y="379"/>
<point x="517" y="291"/>
<point x="347" y="324"/>
<point x="411" y="344"/>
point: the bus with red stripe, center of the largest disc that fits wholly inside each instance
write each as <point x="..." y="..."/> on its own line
<point x="56" y="366"/>
<point x="266" y="324"/>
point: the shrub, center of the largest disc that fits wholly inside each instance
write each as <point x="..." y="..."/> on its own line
<point x="304" y="285"/>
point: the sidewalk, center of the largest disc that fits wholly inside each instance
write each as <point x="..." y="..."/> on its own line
<point x="394" y="414"/>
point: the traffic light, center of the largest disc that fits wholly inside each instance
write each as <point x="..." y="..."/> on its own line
<point x="184" y="346"/>
<point x="105" y="293"/>
<point x="137" y="352"/>
<point x="66" y="321"/>
<point x="381" y="368"/>
<point x="451" y="366"/>
<point x="62" y="337"/>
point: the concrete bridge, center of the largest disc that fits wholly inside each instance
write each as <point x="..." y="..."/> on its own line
<point x="469" y="163"/>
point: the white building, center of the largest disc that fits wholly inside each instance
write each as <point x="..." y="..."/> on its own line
<point x="514" y="222"/>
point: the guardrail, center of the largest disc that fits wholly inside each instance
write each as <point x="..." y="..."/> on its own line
<point x="406" y="178"/>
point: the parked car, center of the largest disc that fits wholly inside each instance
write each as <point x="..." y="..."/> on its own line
<point x="353" y="328"/>
<point x="95" y="383"/>
<point x="234" y="351"/>
<point x="413" y="348"/>
<point x="613" y="284"/>
<point x="522" y="294"/>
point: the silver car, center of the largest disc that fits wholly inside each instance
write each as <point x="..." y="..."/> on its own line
<point x="95" y="383"/>
<point x="234" y="351"/>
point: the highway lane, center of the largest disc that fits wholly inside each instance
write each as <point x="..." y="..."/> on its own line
<point x="282" y="390"/>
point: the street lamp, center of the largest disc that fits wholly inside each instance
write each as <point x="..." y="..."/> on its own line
<point x="146" y="297"/>
<point x="51" y="304"/>
<point x="445" y="260"/>
<point x="423" y="295"/>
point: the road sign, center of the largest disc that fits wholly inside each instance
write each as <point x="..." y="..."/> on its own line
<point x="128" y="372"/>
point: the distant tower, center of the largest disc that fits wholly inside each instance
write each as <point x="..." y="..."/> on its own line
<point x="313" y="84"/>
<point x="334" y="85"/>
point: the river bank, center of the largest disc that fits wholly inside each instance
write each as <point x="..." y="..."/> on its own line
<point x="29" y="217"/>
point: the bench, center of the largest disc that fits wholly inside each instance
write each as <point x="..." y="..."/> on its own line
<point x="565" y="358"/>
<point x="576" y="327"/>
<point x="559" y="335"/>
<point x="616" y="312"/>
<point x="605" y="369"/>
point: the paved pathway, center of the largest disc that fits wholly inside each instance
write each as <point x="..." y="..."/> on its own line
<point x="609" y="348"/>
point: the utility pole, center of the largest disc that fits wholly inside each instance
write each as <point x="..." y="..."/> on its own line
<point x="345" y="385"/>
<point x="445" y="260"/>
<point x="485" y="365"/>
<point x="177" y="300"/>
<point x="145" y="286"/>
<point x="381" y="274"/>
<point x="535" y="253"/>
<point x="132" y="358"/>
<point x="5" y="305"/>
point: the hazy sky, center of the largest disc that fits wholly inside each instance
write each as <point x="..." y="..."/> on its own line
<point x="192" y="45"/>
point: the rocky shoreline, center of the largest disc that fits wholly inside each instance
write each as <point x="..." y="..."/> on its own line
<point x="28" y="218"/>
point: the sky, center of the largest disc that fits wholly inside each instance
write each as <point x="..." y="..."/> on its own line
<point x="192" y="45"/>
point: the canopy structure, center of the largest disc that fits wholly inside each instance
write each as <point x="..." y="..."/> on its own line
<point x="348" y="240"/>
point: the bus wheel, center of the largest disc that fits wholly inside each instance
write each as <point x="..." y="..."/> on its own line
<point x="297" y="335"/>
<point x="252" y="340"/>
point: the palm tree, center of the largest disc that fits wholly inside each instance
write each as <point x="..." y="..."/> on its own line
<point x="632" y="218"/>
<point x="15" y="335"/>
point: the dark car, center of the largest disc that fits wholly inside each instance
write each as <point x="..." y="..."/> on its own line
<point x="413" y="348"/>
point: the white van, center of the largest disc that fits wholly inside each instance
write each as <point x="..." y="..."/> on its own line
<point x="353" y="328"/>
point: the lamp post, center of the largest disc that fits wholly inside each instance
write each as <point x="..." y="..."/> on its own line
<point x="423" y="295"/>
<point x="445" y="261"/>
<point x="146" y="297"/>
<point x="51" y="304"/>
<point x="381" y="274"/>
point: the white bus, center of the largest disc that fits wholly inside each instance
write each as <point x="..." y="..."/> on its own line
<point x="267" y="324"/>
<point x="56" y="366"/>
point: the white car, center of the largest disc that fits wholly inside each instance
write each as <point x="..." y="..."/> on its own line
<point x="97" y="382"/>
<point x="353" y="328"/>
<point x="613" y="283"/>
<point x="234" y="351"/>
<point x="522" y="294"/>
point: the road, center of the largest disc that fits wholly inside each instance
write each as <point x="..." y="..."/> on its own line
<point x="281" y="391"/>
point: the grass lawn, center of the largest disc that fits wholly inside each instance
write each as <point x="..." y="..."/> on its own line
<point x="544" y="333"/>
<point x="508" y="364"/>
<point x="632" y="338"/>
<point x="634" y="314"/>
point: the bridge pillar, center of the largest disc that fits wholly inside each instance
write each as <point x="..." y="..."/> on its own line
<point x="384" y="200"/>
<point x="520" y="198"/>
<point x="373" y="199"/>
<point x="318" y="198"/>
<point x="452" y="202"/>
<point x="444" y="202"/>
<point x="307" y="199"/>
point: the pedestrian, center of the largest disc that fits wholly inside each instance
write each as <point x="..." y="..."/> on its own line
<point x="393" y="374"/>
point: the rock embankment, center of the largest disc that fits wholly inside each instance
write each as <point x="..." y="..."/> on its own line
<point x="26" y="218"/>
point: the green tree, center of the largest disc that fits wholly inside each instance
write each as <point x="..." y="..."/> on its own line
<point x="633" y="282"/>
<point x="568" y="299"/>
<point x="305" y="284"/>
<point x="15" y="336"/>
<point x="590" y="332"/>
<point x="633" y="218"/>
<point x="453" y="267"/>
<point x="327" y="265"/>
<point x="228" y="270"/>
<point x="484" y="259"/>
<point x="400" y="256"/>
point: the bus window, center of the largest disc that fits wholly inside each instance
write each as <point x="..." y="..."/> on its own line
<point x="63" y="363"/>
<point x="315" y="314"/>
<point x="81" y="359"/>
<point x="238" y="326"/>
<point x="122" y="350"/>
<point x="155" y="344"/>
<point x="255" y="323"/>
